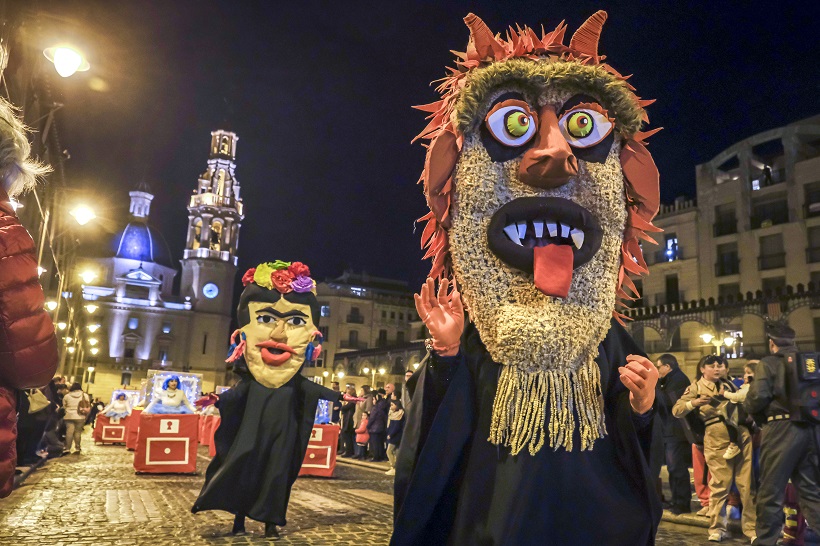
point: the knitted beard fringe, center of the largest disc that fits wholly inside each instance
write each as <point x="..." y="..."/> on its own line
<point x="547" y="347"/>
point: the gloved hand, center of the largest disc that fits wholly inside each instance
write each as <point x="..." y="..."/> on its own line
<point x="207" y="400"/>
<point x="443" y="315"/>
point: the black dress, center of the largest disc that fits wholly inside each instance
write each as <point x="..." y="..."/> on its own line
<point x="260" y="445"/>
<point x="454" y="487"/>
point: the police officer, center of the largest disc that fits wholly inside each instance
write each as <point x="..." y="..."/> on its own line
<point x="788" y="447"/>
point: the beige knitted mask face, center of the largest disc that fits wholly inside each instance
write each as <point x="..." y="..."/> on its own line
<point x="547" y="345"/>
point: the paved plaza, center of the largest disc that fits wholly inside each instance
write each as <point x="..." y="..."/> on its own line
<point x="97" y="499"/>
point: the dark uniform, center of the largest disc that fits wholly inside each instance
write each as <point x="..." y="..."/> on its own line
<point x="788" y="450"/>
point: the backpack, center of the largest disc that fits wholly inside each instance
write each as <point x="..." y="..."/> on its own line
<point x="693" y="426"/>
<point x="83" y="406"/>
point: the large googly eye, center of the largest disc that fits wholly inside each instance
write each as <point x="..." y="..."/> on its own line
<point x="584" y="128"/>
<point x="264" y="319"/>
<point x="297" y="321"/>
<point x="511" y="125"/>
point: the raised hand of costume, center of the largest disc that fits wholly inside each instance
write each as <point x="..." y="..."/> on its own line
<point x="640" y="377"/>
<point x="347" y="398"/>
<point x="442" y="314"/>
<point x="206" y="401"/>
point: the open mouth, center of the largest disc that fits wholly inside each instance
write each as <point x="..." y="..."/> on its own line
<point x="546" y="236"/>
<point x="274" y="353"/>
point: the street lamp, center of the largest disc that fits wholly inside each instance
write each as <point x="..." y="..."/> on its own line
<point x="62" y="326"/>
<point x="91" y="308"/>
<point x="416" y="366"/>
<point x="67" y="60"/>
<point x="51" y="305"/>
<point x="728" y="341"/>
<point x="82" y="214"/>
<point x="94" y="350"/>
<point x="88" y="276"/>
<point x="93" y="341"/>
<point x="707" y="337"/>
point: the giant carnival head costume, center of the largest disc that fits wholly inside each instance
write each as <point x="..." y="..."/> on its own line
<point x="278" y="316"/>
<point x="540" y="188"/>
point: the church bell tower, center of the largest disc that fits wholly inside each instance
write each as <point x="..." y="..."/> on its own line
<point x="215" y="214"/>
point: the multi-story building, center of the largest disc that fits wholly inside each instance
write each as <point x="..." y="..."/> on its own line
<point x="138" y="321"/>
<point x="361" y="312"/>
<point x="747" y="252"/>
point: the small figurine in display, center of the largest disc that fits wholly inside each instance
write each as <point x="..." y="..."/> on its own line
<point x="172" y="399"/>
<point x="267" y="417"/>
<point x="118" y="409"/>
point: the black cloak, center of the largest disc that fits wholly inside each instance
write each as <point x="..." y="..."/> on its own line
<point x="454" y="487"/>
<point x="260" y="445"/>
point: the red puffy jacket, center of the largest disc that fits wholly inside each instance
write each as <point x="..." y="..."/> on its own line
<point x="28" y="346"/>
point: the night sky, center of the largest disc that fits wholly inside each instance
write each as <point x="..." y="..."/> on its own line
<point x="320" y="96"/>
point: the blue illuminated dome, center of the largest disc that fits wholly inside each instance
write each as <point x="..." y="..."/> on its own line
<point x="141" y="242"/>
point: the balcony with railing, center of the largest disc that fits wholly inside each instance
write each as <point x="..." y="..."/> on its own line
<point x="668" y="255"/>
<point x="771" y="261"/>
<point x="812" y="255"/>
<point x="354" y="319"/>
<point x="768" y="178"/>
<point x="811" y="210"/>
<point x="727" y="265"/>
<point x="724" y="226"/>
<point x="352" y="344"/>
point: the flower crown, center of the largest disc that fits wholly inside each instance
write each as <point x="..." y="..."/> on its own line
<point x="283" y="276"/>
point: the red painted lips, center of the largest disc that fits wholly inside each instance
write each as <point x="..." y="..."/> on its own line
<point x="274" y="353"/>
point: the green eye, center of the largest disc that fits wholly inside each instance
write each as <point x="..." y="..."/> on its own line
<point x="579" y="124"/>
<point x="518" y="123"/>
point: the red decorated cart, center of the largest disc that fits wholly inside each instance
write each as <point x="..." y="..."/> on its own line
<point x="167" y="443"/>
<point x="320" y="458"/>
<point x="132" y="429"/>
<point x="110" y="430"/>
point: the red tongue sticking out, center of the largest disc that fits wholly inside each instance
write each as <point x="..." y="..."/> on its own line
<point x="552" y="265"/>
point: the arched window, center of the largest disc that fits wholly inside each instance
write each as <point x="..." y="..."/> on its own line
<point x="197" y="233"/>
<point x="216" y="235"/>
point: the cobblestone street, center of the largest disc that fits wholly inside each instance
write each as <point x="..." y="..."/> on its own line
<point x="96" y="498"/>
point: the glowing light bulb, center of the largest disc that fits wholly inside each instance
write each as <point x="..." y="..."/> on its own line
<point x="83" y="214"/>
<point x="340" y="375"/>
<point x="88" y="276"/>
<point x="51" y="305"/>
<point x="366" y="370"/>
<point x="62" y="325"/>
<point x="67" y="60"/>
<point x="94" y="350"/>
<point x="91" y="308"/>
<point x="41" y="270"/>
<point x="728" y="341"/>
<point x="93" y="327"/>
<point x="90" y="369"/>
<point x="93" y="341"/>
<point x="71" y="350"/>
<point x="381" y="371"/>
<point x="325" y="374"/>
<point x="416" y="366"/>
<point x="707" y="338"/>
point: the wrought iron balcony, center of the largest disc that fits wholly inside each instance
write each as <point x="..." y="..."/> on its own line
<point x="771" y="261"/>
<point x="355" y="319"/>
<point x="727" y="266"/>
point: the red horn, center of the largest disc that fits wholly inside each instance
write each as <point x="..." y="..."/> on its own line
<point x="585" y="39"/>
<point x="484" y="42"/>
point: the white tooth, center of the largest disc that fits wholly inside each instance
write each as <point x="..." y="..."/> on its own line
<point x="512" y="233"/>
<point x="564" y="231"/>
<point x="577" y="237"/>
<point x="539" y="228"/>
<point x="553" y="229"/>
<point x="522" y="229"/>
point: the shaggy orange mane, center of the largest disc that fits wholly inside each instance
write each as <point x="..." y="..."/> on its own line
<point x="641" y="175"/>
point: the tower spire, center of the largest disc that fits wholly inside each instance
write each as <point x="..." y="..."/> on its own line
<point x="141" y="198"/>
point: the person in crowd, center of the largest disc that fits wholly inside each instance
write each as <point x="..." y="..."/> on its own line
<point x="337" y="406"/>
<point x="702" y="397"/>
<point x="362" y="438"/>
<point x="51" y="443"/>
<point x="119" y="408"/>
<point x="390" y="392"/>
<point x="171" y="400"/>
<point x="405" y="392"/>
<point x="77" y="407"/>
<point x="367" y="405"/>
<point x="28" y="345"/>
<point x="673" y="382"/>
<point x="34" y="409"/>
<point x="395" y="427"/>
<point x="377" y="427"/>
<point x="789" y="443"/>
<point x="96" y="408"/>
<point x="347" y="431"/>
